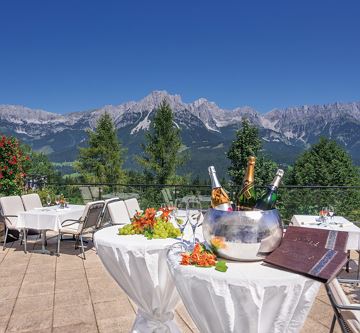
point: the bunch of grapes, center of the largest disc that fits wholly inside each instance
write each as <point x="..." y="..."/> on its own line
<point x="164" y="229"/>
<point x="161" y="229"/>
<point x="127" y="229"/>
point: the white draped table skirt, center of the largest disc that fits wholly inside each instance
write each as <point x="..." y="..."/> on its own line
<point x="250" y="297"/>
<point x="139" y="267"/>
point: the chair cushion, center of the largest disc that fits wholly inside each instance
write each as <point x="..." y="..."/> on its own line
<point x="352" y="317"/>
<point x="118" y="212"/>
<point x="71" y="229"/>
<point x="132" y="206"/>
<point x="31" y="201"/>
<point x="11" y="205"/>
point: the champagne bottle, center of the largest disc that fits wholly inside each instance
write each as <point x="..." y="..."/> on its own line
<point x="219" y="198"/>
<point x="247" y="197"/>
<point x="268" y="200"/>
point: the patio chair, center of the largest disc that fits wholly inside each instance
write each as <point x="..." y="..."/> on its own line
<point x="132" y="206"/>
<point x="346" y="313"/>
<point x="10" y="207"/>
<point x="167" y="196"/>
<point x="105" y="218"/>
<point x="86" y="194"/>
<point x="31" y="201"/>
<point x="85" y="224"/>
<point x="118" y="213"/>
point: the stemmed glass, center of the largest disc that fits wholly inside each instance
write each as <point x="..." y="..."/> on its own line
<point x="57" y="200"/>
<point x="178" y="214"/>
<point x="48" y="200"/>
<point x="193" y="212"/>
<point x="331" y="212"/>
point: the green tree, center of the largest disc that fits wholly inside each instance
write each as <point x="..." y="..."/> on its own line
<point x="41" y="166"/>
<point x="324" y="164"/>
<point x="161" y="155"/>
<point x="248" y="143"/>
<point x="102" y="160"/>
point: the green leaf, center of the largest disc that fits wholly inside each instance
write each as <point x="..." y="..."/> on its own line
<point x="221" y="266"/>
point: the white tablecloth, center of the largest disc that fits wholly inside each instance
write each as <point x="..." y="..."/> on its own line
<point x="339" y="223"/>
<point x="139" y="267"/>
<point x="48" y="218"/>
<point x="249" y="297"/>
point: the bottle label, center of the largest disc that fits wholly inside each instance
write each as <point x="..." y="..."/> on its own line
<point x="218" y="197"/>
<point x="246" y="190"/>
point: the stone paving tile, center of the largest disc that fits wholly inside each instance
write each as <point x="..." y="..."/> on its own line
<point x="35" y="320"/>
<point x="323" y="313"/>
<point x="39" y="303"/>
<point x="74" y="298"/>
<point x="38" y="277"/>
<point x="71" y="285"/>
<point x="6" y="307"/>
<point x="116" y="325"/>
<point x="9" y="292"/>
<point x="68" y="315"/>
<point x="73" y="274"/>
<point x="37" y="289"/>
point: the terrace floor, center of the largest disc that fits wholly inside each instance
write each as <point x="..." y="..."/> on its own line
<point x="42" y="293"/>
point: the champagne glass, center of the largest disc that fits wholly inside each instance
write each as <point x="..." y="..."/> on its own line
<point x="178" y="215"/>
<point x="331" y="212"/>
<point x="48" y="200"/>
<point x="193" y="212"/>
<point x="57" y="200"/>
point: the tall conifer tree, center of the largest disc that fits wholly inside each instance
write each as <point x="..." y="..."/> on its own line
<point x="161" y="151"/>
<point x="102" y="160"/>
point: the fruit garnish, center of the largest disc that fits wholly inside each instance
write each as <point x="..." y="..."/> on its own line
<point x="221" y="266"/>
<point x="152" y="224"/>
<point x="200" y="256"/>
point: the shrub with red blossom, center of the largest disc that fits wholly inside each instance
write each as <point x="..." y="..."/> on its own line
<point x="13" y="166"/>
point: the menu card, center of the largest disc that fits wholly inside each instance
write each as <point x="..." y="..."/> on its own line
<point x="318" y="253"/>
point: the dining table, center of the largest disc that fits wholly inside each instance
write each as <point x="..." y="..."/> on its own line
<point x="251" y="297"/>
<point x="338" y="223"/>
<point x="139" y="267"/>
<point x="47" y="218"/>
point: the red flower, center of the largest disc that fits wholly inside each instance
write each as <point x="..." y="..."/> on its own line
<point x="10" y="172"/>
<point x="1" y="175"/>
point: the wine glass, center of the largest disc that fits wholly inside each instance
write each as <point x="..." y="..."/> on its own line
<point x="331" y="212"/>
<point x="48" y="200"/>
<point x="57" y="199"/>
<point x="193" y="212"/>
<point x="179" y="215"/>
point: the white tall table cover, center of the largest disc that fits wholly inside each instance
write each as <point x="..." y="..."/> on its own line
<point x="139" y="267"/>
<point x="48" y="218"/>
<point x="249" y="297"/>
<point x="339" y="223"/>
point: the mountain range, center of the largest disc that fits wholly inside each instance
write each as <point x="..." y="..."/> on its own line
<point x="206" y="129"/>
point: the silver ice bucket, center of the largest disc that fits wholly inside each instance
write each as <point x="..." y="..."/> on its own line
<point x="243" y="235"/>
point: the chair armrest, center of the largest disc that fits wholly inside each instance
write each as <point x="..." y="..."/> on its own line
<point x="349" y="281"/>
<point x="69" y="220"/>
<point x="7" y="216"/>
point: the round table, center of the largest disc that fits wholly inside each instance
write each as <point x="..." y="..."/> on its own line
<point x="248" y="297"/>
<point x="139" y="267"/>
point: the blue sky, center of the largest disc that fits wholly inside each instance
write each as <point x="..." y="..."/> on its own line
<point x="65" y="56"/>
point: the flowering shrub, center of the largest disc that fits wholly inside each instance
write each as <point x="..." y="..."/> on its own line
<point x="13" y="166"/>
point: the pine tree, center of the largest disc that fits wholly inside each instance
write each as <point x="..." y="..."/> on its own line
<point x="247" y="143"/>
<point x="161" y="151"/>
<point x="325" y="163"/>
<point x="102" y="160"/>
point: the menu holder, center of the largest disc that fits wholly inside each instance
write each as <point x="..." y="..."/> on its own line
<point x="318" y="253"/>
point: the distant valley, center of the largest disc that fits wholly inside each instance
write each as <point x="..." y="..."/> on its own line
<point x="206" y="129"/>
